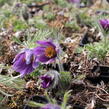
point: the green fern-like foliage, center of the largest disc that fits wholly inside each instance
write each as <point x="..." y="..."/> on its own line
<point x="73" y="25"/>
<point x="2" y="2"/>
<point x="84" y="19"/>
<point x="62" y="3"/>
<point x="13" y="82"/>
<point x="30" y="1"/>
<point x="40" y="35"/>
<point x="19" y="25"/>
<point x="65" y="80"/>
<point x="98" y="50"/>
<point x="30" y="40"/>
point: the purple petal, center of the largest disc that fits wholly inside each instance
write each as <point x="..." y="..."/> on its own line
<point x="46" y="43"/>
<point x="45" y="85"/>
<point x="43" y="77"/>
<point x="104" y="23"/>
<point x="21" y="66"/>
<point x="16" y="57"/>
<point x="75" y="1"/>
<point x="19" y="54"/>
<point x="43" y="58"/>
<point x="28" y="56"/>
<point x="39" y="50"/>
<point x="35" y="63"/>
<point x="51" y="106"/>
<point x="50" y="60"/>
<point x="19" y="63"/>
<point x="27" y="70"/>
<point x="46" y="81"/>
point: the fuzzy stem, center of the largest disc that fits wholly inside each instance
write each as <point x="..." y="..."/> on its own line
<point x="61" y="69"/>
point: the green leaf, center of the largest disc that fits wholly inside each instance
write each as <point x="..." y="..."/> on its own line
<point x="65" y="99"/>
<point x="34" y="104"/>
<point x="12" y="82"/>
<point x="4" y="93"/>
<point x="1" y="98"/>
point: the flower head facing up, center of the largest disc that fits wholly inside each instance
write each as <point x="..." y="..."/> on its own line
<point x="104" y="23"/>
<point x="25" y="62"/>
<point x="46" y="52"/>
<point x="46" y="81"/>
<point x="50" y="52"/>
<point x="51" y="106"/>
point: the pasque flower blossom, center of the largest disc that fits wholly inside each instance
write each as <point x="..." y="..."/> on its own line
<point x="46" y="52"/>
<point x="50" y="80"/>
<point x="51" y="106"/>
<point x="46" y="81"/>
<point x="25" y="62"/>
<point x="104" y="23"/>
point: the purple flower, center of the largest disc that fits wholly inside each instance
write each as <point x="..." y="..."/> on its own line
<point x="75" y="1"/>
<point x="51" y="106"/>
<point x="25" y="62"/>
<point x="18" y="5"/>
<point x="104" y="23"/>
<point x="46" y="52"/>
<point x="46" y="81"/>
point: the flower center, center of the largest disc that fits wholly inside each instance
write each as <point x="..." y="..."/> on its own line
<point x="31" y="59"/>
<point x="50" y="52"/>
<point x="23" y="59"/>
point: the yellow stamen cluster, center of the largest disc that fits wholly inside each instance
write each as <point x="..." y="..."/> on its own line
<point x="50" y="52"/>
